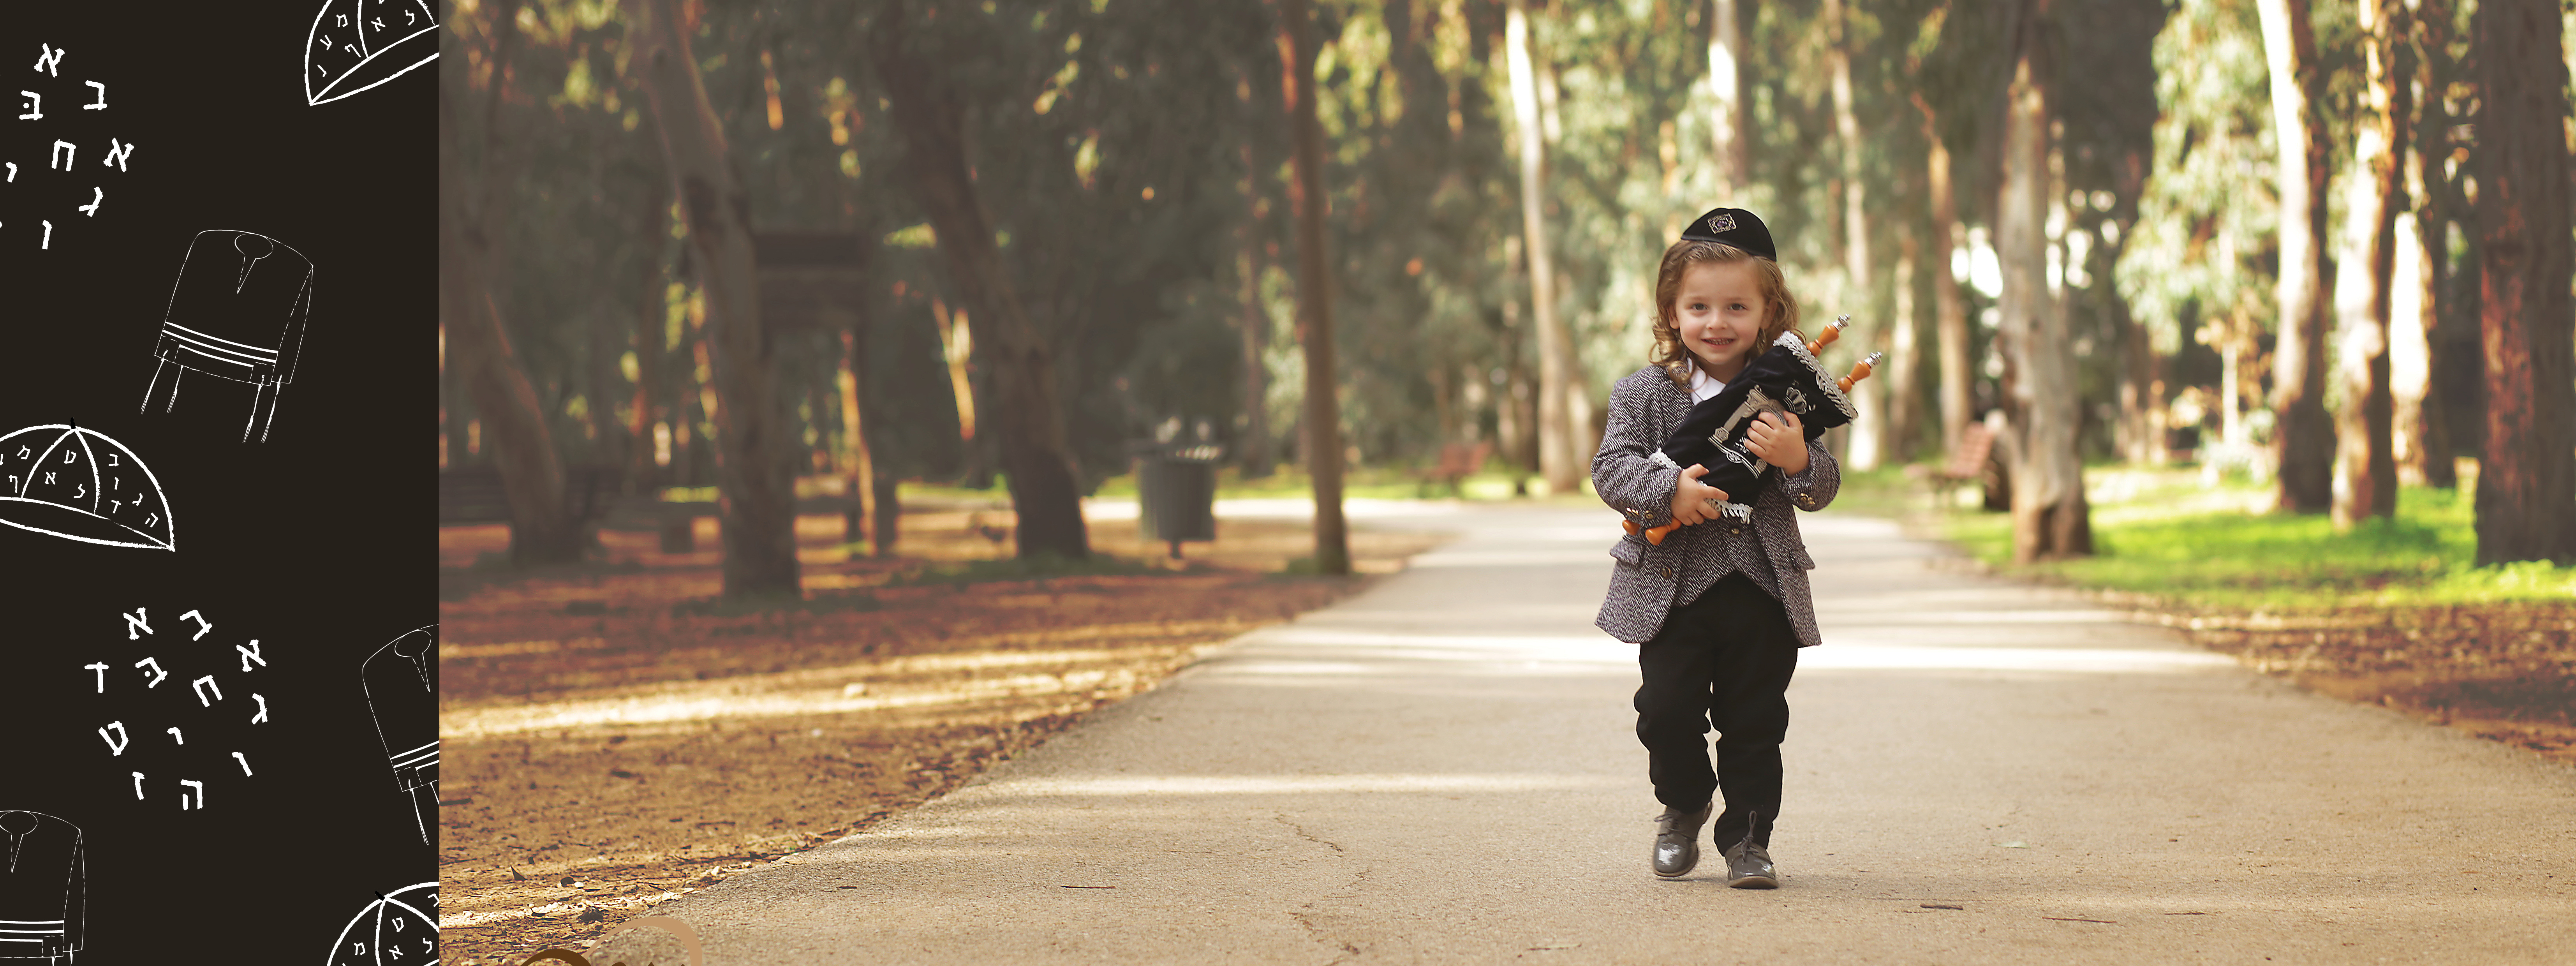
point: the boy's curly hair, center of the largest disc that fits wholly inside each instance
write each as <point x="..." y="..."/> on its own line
<point x="1780" y="309"/>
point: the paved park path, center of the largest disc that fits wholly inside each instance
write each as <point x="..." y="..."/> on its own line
<point x="1442" y="770"/>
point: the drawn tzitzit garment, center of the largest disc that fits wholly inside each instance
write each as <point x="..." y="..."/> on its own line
<point x="237" y="312"/>
<point x="400" y="928"/>
<point x="358" y="44"/>
<point x="401" y="681"/>
<point x="80" y="484"/>
<point x="42" y="888"/>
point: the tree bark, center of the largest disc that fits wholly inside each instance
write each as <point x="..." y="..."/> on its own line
<point x="651" y="316"/>
<point x="755" y="480"/>
<point x="2365" y="482"/>
<point x="1556" y="457"/>
<point x="471" y="220"/>
<point x="858" y="463"/>
<point x="1253" y="450"/>
<point x="2041" y="402"/>
<point x="1027" y="411"/>
<point x="1869" y="429"/>
<point x="1726" y="100"/>
<point x="1306" y="200"/>
<point x="1949" y="310"/>
<point x="2436" y="210"/>
<point x="2304" y="436"/>
<point x="1904" y="357"/>
<point x="2526" y="501"/>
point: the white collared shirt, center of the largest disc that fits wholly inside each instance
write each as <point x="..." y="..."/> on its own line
<point x="1703" y="388"/>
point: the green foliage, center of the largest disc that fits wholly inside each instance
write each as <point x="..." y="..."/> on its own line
<point x="2204" y="240"/>
<point x="2199" y="546"/>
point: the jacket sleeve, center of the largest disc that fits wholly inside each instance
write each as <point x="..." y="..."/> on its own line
<point x="1813" y="488"/>
<point x="1624" y="472"/>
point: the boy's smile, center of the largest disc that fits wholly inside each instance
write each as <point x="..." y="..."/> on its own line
<point x="1719" y="312"/>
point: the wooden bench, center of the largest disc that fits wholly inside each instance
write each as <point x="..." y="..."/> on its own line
<point x="1457" y="462"/>
<point x="1967" y="462"/>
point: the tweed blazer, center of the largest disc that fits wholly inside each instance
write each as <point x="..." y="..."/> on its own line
<point x="1648" y="581"/>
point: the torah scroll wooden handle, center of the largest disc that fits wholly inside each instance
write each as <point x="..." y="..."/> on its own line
<point x="1654" y="535"/>
<point x="1860" y="371"/>
<point x="1833" y="330"/>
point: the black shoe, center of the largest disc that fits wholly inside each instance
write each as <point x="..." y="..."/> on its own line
<point x="1748" y="866"/>
<point x="1677" y="841"/>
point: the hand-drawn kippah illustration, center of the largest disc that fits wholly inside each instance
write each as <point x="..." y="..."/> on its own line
<point x="399" y="928"/>
<point x="42" y="887"/>
<point x="358" y="44"/>
<point x="401" y="680"/>
<point x="237" y="312"/>
<point x="79" y="484"/>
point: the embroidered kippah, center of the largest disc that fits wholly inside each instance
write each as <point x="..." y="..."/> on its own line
<point x="1733" y="226"/>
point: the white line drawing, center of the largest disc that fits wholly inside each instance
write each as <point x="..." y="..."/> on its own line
<point x="184" y="785"/>
<point x="44" y="888"/>
<point x="66" y="151"/>
<point x="102" y="97"/>
<point x="202" y="626"/>
<point x="347" y="52"/>
<point x="245" y="763"/>
<point x="117" y="152"/>
<point x="250" y="653"/>
<point x="137" y="621"/>
<point x="97" y="197"/>
<point x="237" y="312"/>
<point x="116" y="745"/>
<point x="397" y="928"/>
<point x="35" y="106"/>
<point x="263" y="709"/>
<point x="138" y="786"/>
<point x="175" y="736"/>
<point x="47" y="242"/>
<point x="203" y="685"/>
<point x="81" y="484"/>
<point x="49" y="59"/>
<point x="13" y="172"/>
<point x="402" y="691"/>
<point x="101" y="671"/>
<point x="156" y="674"/>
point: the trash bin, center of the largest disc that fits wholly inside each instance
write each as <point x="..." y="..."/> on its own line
<point x="1176" y="491"/>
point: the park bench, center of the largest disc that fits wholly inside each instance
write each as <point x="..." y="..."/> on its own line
<point x="1457" y="462"/>
<point x="1967" y="462"/>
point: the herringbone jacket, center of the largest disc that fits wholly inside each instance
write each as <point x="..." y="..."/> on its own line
<point x="1648" y="581"/>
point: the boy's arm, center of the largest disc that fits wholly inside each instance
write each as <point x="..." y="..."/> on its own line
<point x="1813" y="488"/>
<point x="1624" y="472"/>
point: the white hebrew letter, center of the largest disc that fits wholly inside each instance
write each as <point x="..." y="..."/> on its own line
<point x="98" y="196"/>
<point x="13" y="172"/>
<point x="35" y="106"/>
<point x="245" y="763"/>
<point x="156" y="674"/>
<point x="203" y="685"/>
<point x="202" y="626"/>
<point x="101" y="671"/>
<point x="201" y="795"/>
<point x="63" y="151"/>
<point x="251" y="653"/>
<point x="116" y="154"/>
<point x="263" y="709"/>
<point x="176" y="736"/>
<point x="49" y="59"/>
<point x="102" y="97"/>
<point x="135" y="620"/>
<point x="48" y="242"/>
<point x="115" y="743"/>
<point x="138" y="786"/>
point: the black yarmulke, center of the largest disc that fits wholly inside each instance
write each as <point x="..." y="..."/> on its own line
<point x="1733" y="226"/>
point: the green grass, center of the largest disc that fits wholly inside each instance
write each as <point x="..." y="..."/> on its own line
<point x="2166" y="535"/>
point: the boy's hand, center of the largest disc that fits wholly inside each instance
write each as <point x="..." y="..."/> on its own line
<point x="1779" y="443"/>
<point x="1694" y="501"/>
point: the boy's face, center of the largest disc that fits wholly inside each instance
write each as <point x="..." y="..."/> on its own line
<point x="1719" y="310"/>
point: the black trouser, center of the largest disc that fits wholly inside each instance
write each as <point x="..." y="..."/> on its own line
<point x="1723" y="660"/>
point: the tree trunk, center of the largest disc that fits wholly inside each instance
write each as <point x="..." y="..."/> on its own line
<point x="1306" y="199"/>
<point x="2526" y="501"/>
<point x="1726" y="102"/>
<point x="515" y="435"/>
<point x="1253" y="447"/>
<point x="1868" y="428"/>
<point x="651" y="316"/>
<point x="1556" y="457"/>
<point x="1027" y="411"/>
<point x="2041" y="404"/>
<point x="2365" y="482"/>
<point x="2435" y="213"/>
<point x="754" y="478"/>
<point x="858" y="463"/>
<point x="1905" y="358"/>
<point x="1949" y="311"/>
<point x="2304" y="436"/>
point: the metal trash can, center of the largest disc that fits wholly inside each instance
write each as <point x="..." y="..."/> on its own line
<point x="1176" y="490"/>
